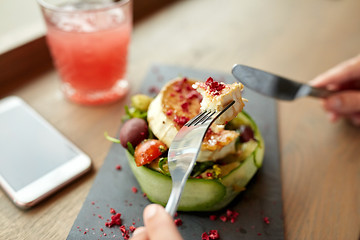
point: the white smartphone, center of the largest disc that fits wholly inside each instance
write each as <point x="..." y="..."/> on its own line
<point x="35" y="158"/>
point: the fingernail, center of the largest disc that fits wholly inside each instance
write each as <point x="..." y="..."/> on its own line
<point x="335" y="103"/>
<point x="150" y="211"/>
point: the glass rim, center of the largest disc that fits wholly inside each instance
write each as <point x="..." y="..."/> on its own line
<point x="46" y="5"/>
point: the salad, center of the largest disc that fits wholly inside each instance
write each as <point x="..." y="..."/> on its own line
<point x="230" y="155"/>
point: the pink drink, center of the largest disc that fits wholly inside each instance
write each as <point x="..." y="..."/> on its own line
<point x="90" y="53"/>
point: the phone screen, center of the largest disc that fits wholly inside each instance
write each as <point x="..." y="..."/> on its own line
<point x="29" y="148"/>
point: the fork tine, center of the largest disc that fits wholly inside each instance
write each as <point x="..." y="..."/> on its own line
<point x="194" y="119"/>
<point x="207" y="116"/>
<point x="204" y="116"/>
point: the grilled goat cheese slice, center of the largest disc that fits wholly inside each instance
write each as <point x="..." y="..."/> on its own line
<point x="217" y="144"/>
<point x="217" y="95"/>
<point x="176" y="104"/>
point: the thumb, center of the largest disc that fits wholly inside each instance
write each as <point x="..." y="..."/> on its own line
<point x="346" y="102"/>
<point x="159" y="224"/>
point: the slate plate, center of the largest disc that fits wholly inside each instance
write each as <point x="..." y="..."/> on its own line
<point x="114" y="188"/>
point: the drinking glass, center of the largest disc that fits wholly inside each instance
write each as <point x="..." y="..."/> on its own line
<point x="89" y="41"/>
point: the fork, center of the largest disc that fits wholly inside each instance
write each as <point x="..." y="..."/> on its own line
<point x="184" y="150"/>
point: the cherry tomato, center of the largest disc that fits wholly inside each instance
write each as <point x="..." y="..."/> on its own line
<point x="148" y="150"/>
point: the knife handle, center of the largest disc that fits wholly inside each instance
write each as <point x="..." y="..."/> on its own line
<point x="320" y="92"/>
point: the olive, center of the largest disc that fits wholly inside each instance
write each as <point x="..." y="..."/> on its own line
<point x="134" y="131"/>
<point x="246" y="133"/>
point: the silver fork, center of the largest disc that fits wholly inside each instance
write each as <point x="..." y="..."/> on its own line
<point x="184" y="150"/>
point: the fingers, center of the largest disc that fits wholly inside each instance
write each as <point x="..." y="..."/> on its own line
<point x="343" y="103"/>
<point x="159" y="224"/>
<point x="333" y="117"/>
<point x="355" y="119"/>
<point x="140" y="234"/>
<point x="346" y="71"/>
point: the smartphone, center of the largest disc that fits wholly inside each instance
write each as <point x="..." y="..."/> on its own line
<point x="35" y="158"/>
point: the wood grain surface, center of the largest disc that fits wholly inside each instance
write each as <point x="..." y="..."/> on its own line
<point x="298" y="39"/>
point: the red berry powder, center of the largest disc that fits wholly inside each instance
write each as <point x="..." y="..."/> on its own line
<point x="115" y="220"/>
<point x="214" y="87"/>
<point x="178" y="222"/>
<point x="134" y="189"/>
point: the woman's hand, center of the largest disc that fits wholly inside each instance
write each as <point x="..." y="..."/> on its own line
<point x="344" y="78"/>
<point x="159" y="225"/>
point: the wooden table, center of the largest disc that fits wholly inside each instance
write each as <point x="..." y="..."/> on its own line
<point x="320" y="161"/>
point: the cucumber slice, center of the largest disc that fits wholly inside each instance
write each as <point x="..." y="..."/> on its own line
<point x="259" y="153"/>
<point x="236" y="181"/>
<point x="247" y="148"/>
<point x="204" y="194"/>
<point x="198" y="194"/>
<point x="244" y="118"/>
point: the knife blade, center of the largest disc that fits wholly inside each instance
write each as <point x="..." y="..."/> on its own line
<point x="275" y="86"/>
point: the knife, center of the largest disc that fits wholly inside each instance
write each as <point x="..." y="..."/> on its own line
<point x="275" y="86"/>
